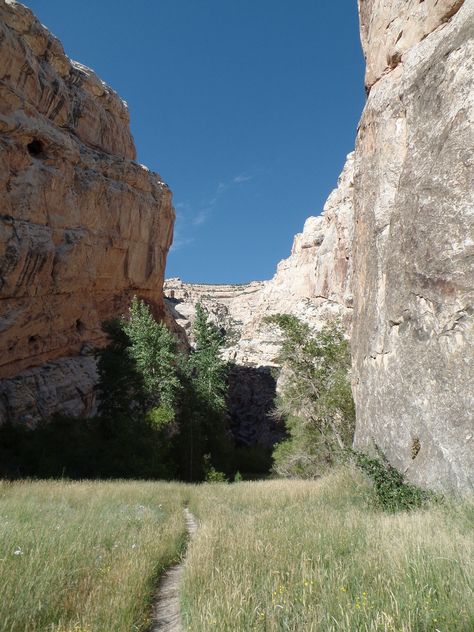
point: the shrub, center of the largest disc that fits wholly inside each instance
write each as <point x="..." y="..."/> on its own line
<point x="213" y="476"/>
<point x="315" y="397"/>
<point x="391" y="490"/>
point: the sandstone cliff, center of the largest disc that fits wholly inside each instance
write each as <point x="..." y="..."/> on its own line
<point x="413" y="333"/>
<point x="82" y="225"/>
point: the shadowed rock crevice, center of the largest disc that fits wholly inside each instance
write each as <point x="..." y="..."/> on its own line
<point x="251" y="402"/>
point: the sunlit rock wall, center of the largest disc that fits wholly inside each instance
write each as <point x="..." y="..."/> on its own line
<point x="413" y="332"/>
<point x="83" y="227"/>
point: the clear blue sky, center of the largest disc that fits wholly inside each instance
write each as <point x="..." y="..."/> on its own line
<point x="247" y="109"/>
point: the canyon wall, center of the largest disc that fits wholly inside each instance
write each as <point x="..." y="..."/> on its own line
<point x="83" y="227"/>
<point x="413" y="332"/>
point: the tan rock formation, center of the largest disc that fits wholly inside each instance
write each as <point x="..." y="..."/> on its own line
<point x="413" y="334"/>
<point x="390" y="28"/>
<point x="82" y="226"/>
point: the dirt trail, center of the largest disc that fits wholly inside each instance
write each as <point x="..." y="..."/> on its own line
<point x="166" y="615"/>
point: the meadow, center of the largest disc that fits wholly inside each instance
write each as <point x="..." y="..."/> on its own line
<point x="85" y="556"/>
<point x="311" y="556"/>
<point x="269" y="556"/>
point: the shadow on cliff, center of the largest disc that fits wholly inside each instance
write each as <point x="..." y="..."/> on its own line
<point x="254" y="426"/>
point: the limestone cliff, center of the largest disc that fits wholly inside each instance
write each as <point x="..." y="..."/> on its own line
<point x="82" y="225"/>
<point x="413" y="332"/>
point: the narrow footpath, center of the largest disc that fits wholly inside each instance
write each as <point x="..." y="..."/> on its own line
<point x="166" y="613"/>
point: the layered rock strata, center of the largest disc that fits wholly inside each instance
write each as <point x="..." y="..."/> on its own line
<point x="83" y="227"/>
<point x="413" y="332"/>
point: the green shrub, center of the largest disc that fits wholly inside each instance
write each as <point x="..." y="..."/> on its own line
<point x="315" y="398"/>
<point x="213" y="476"/>
<point x="391" y="490"/>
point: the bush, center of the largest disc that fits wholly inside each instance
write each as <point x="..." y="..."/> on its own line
<point x="391" y="490"/>
<point x="315" y="397"/>
<point x="213" y="476"/>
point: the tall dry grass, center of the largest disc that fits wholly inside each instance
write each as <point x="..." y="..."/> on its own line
<point x="85" y="557"/>
<point x="311" y="556"/>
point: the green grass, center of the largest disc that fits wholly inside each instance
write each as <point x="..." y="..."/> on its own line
<point x="300" y="556"/>
<point x="312" y="556"/>
<point x="85" y="557"/>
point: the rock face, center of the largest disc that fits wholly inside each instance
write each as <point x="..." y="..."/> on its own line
<point x="390" y="28"/>
<point x="413" y="332"/>
<point x="83" y="227"/>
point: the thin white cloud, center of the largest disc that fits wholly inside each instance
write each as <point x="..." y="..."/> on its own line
<point x="201" y="217"/>
<point x="180" y="238"/>
<point x="204" y="214"/>
<point x="184" y="215"/>
<point x="179" y="242"/>
<point x="243" y="177"/>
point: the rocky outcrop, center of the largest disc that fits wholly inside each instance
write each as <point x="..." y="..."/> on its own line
<point x="314" y="283"/>
<point x="389" y="29"/>
<point x="413" y="333"/>
<point x="83" y="227"/>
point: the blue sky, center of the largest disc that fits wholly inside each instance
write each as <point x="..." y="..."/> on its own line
<point x="246" y="108"/>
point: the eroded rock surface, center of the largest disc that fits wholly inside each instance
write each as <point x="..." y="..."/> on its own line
<point x="413" y="333"/>
<point x="83" y="227"/>
<point x="390" y="28"/>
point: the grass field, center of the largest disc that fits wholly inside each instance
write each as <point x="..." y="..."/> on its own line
<point x="84" y="557"/>
<point x="269" y="556"/>
<point x="311" y="556"/>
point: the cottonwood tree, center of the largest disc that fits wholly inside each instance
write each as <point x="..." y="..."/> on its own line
<point x="206" y="439"/>
<point x="208" y="369"/>
<point x="153" y="350"/>
<point x="315" y="399"/>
